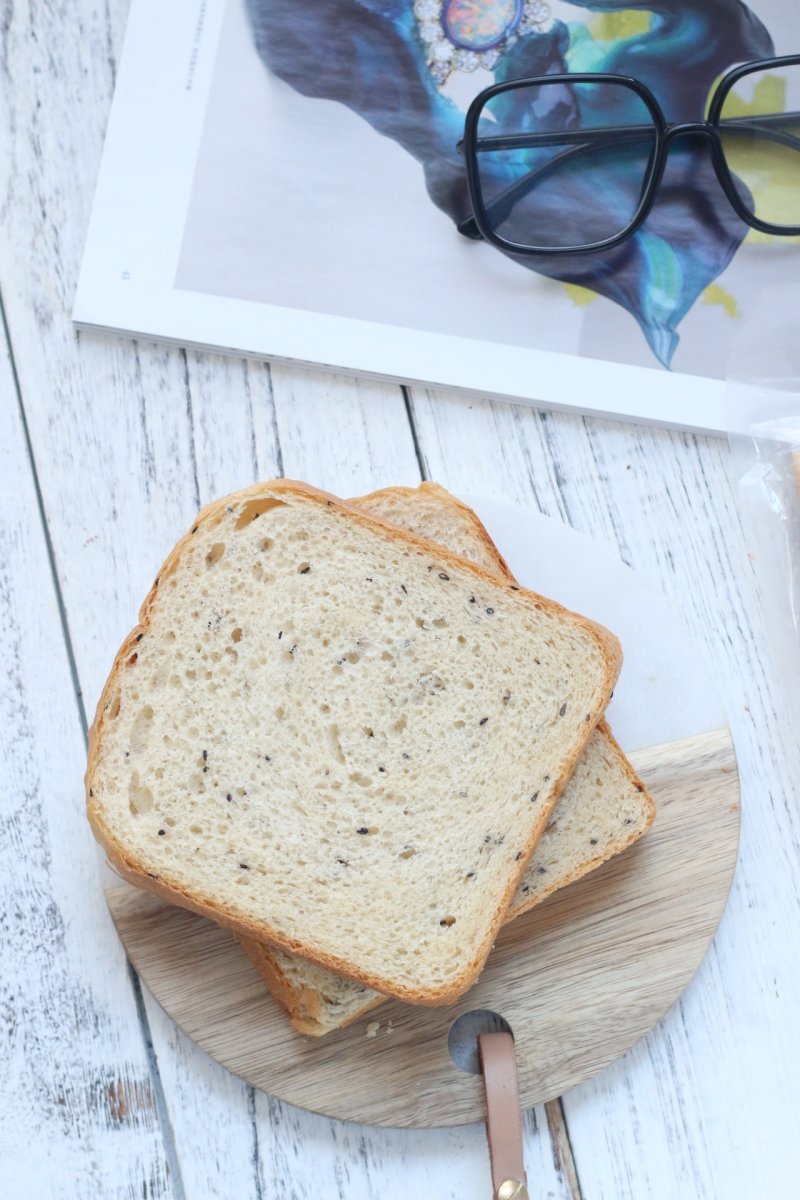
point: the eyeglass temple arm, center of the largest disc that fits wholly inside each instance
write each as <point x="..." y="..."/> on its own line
<point x="590" y="139"/>
<point x="501" y="205"/>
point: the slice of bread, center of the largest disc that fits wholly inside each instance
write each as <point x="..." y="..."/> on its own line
<point x="603" y="809"/>
<point x="319" y="713"/>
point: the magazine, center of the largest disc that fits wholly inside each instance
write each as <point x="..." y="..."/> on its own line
<point x="282" y="179"/>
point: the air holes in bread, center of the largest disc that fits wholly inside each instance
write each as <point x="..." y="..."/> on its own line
<point x="140" y="730"/>
<point x="140" y="798"/>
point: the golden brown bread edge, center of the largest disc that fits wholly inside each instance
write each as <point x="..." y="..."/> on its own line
<point x="174" y="893"/>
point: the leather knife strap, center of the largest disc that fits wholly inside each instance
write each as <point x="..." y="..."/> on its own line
<point x="503" y="1116"/>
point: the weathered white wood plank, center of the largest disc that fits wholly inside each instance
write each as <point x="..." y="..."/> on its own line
<point x="345" y="435"/>
<point x="110" y="539"/>
<point x="99" y="408"/>
<point x="231" y="424"/>
<point x="704" y="1106"/>
<point x="78" y="1106"/>
<point x="324" y="1159"/>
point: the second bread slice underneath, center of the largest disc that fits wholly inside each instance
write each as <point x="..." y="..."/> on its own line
<point x="603" y="808"/>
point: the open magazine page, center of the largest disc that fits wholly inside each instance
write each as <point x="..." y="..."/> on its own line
<point x="283" y="179"/>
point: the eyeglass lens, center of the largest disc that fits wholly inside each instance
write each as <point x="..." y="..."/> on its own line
<point x="759" y="129"/>
<point x="564" y="164"/>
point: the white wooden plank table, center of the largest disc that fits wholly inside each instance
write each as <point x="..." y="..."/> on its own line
<point x="106" y="450"/>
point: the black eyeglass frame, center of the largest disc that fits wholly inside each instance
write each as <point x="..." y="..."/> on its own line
<point x="480" y="225"/>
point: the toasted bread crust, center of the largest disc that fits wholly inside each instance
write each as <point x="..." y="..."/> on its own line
<point x="174" y="892"/>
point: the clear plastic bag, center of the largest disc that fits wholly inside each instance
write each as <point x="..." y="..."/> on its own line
<point x="763" y="398"/>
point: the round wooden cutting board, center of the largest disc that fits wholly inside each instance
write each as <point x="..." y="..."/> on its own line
<point x="580" y="978"/>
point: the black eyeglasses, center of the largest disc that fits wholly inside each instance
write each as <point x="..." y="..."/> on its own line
<point x="571" y="164"/>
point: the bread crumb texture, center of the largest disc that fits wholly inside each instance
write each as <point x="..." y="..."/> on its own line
<point x="334" y="737"/>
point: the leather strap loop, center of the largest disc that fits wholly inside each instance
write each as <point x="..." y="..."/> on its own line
<point x="503" y="1116"/>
